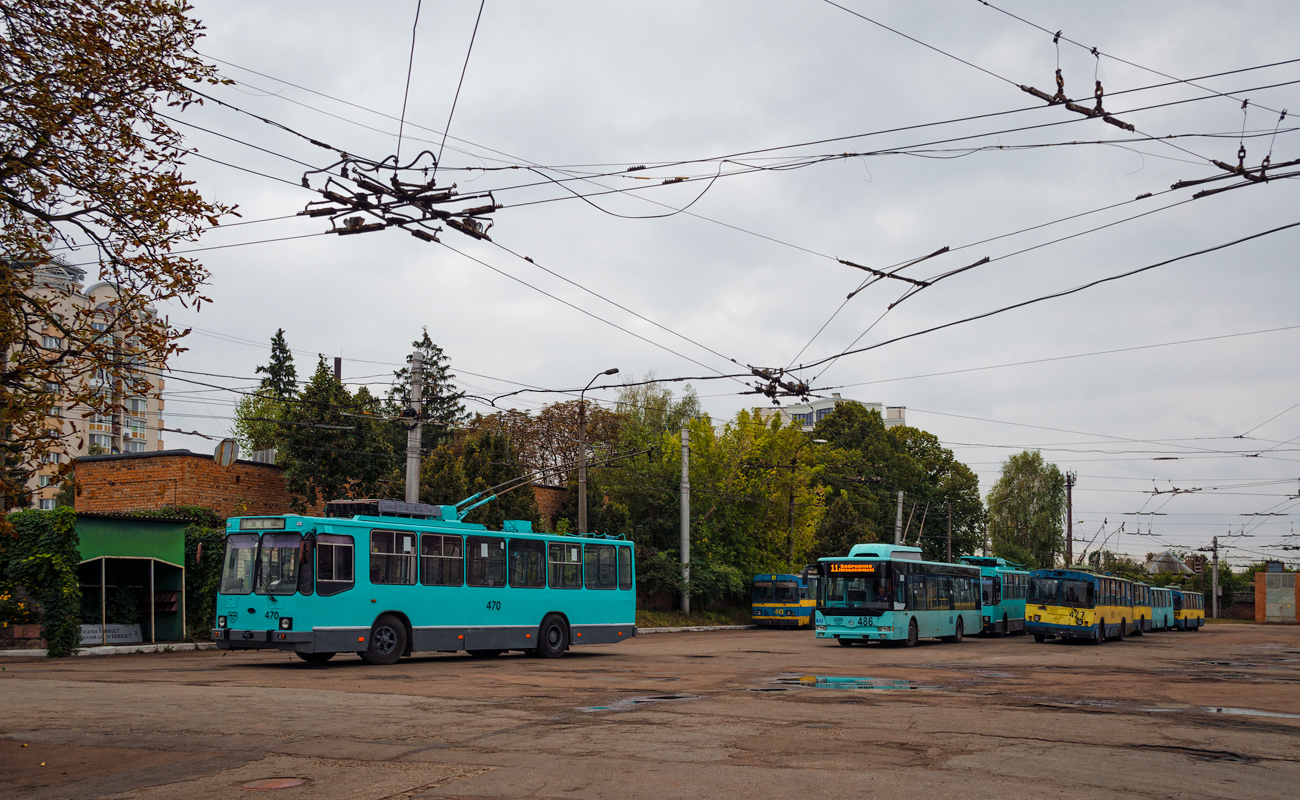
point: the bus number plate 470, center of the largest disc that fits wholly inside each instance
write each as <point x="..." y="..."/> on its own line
<point x="494" y="605"/>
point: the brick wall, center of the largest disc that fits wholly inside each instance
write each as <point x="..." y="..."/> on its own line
<point x="1260" y="594"/>
<point x="549" y="499"/>
<point x="138" y="481"/>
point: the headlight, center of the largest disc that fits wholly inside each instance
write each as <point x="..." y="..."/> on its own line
<point x="286" y="623"/>
<point x="221" y="622"/>
<point x="886" y="629"/>
<point x="1037" y="618"/>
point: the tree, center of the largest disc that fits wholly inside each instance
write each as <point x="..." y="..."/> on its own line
<point x="258" y="415"/>
<point x="335" y="445"/>
<point x="87" y="160"/>
<point x="1026" y="511"/>
<point x="439" y="397"/>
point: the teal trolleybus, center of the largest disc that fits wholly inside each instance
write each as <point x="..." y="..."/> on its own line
<point x="1003" y="588"/>
<point x="384" y="579"/>
<point x="1162" y="609"/>
<point x="885" y="592"/>
<point x="784" y="601"/>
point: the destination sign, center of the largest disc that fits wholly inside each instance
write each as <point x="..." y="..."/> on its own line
<point x="262" y="524"/>
<point x="853" y="568"/>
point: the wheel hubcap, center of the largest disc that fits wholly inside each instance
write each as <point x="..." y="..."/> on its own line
<point x="384" y="639"/>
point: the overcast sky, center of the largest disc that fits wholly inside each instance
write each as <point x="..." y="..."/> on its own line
<point x="844" y="143"/>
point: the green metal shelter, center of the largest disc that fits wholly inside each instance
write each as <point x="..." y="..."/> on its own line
<point x="133" y="570"/>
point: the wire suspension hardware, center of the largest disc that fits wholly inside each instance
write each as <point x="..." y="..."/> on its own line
<point x="1060" y="98"/>
<point x="359" y="200"/>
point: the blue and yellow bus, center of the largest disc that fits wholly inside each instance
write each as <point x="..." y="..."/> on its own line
<point x="1162" y="609"/>
<point x="1189" y="610"/>
<point x="1074" y="604"/>
<point x="385" y="579"/>
<point x="1003" y="589"/>
<point x="783" y="600"/>
<point x="885" y="592"/>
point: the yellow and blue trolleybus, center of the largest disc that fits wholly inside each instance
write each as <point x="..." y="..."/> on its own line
<point x="1074" y="604"/>
<point x="884" y="592"/>
<point x="784" y="600"/>
<point x="1189" y="610"/>
<point x="384" y="579"/>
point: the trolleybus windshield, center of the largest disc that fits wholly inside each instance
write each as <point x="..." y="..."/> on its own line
<point x="277" y="563"/>
<point x="857" y="584"/>
<point x="237" y="574"/>
<point x="1060" y="592"/>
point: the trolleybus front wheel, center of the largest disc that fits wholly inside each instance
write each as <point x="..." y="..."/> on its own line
<point x="845" y="642"/>
<point x="553" y="638"/>
<point x="1101" y="632"/>
<point x="912" y="635"/>
<point x="1123" y="628"/>
<point x="1040" y="638"/>
<point x="315" y="658"/>
<point x="387" y="641"/>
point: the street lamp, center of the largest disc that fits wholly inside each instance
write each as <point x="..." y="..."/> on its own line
<point x="582" y="449"/>
<point x="789" y="537"/>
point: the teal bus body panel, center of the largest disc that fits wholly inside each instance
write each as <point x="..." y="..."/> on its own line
<point x="887" y="616"/>
<point x="443" y="618"/>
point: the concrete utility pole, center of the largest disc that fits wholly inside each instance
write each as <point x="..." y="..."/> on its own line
<point x="898" y="521"/>
<point x="582" y="449"/>
<point x="949" y="533"/>
<point x="415" y="429"/>
<point x="1214" y="604"/>
<point x="1069" y="518"/>
<point x="686" y="522"/>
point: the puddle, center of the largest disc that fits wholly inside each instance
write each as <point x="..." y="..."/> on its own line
<point x="832" y="682"/>
<point x="633" y="702"/>
<point x="1249" y="712"/>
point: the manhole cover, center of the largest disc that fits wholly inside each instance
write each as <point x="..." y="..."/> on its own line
<point x="268" y="784"/>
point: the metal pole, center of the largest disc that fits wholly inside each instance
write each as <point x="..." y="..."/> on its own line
<point x="582" y="449"/>
<point x="1069" y="518"/>
<point x="789" y="536"/>
<point x="898" y="521"/>
<point x="153" y="607"/>
<point x="415" y="429"/>
<point x="582" y="463"/>
<point x="103" y="601"/>
<point x="686" y="522"/>
<point x="1214" y="604"/>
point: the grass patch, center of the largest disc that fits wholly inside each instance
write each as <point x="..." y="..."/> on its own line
<point x="676" y="619"/>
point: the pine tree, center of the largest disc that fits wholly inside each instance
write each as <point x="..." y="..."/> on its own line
<point x="439" y="397"/>
<point x="281" y="379"/>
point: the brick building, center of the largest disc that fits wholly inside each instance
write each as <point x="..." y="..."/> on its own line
<point x="137" y="481"/>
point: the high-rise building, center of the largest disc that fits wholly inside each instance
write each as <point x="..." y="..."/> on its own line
<point x="120" y="420"/>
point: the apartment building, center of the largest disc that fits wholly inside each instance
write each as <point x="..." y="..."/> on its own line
<point x="810" y="413"/>
<point x="120" y="421"/>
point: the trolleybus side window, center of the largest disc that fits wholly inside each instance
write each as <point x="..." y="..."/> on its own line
<point x="442" y="562"/>
<point x="565" y="565"/>
<point x="237" y="575"/>
<point x="528" y="563"/>
<point x="392" y="557"/>
<point x="487" y="560"/>
<point x="625" y="568"/>
<point x="918" y="599"/>
<point x="334" y="555"/>
<point x="964" y="594"/>
<point x="602" y="572"/>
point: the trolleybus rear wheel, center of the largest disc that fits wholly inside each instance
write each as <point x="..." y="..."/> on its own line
<point x="553" y="637"/>
<point x="1137" y="627"/>
<point x="315" y="658"/>
<point x="912" y="635"/>
<point x="387" y="641"/>
<point x="957" y="633"/>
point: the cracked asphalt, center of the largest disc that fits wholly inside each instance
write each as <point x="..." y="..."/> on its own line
<point x="719" y="714"/>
